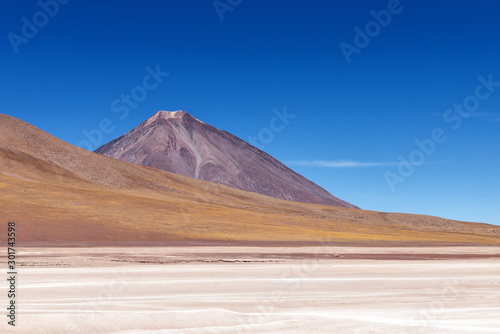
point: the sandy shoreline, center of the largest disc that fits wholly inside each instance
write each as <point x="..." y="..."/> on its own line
<point x="95" y="256"/>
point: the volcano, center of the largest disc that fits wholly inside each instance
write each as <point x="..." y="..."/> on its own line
<point x="176" y="142"/>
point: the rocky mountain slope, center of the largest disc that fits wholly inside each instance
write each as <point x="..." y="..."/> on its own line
<point x="179" y="143"/>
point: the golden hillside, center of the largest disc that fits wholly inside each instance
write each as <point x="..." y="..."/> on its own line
<point x="63" y="195"/>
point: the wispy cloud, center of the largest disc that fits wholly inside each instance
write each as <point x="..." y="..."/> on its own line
<point x="473" y="114"/>
<point x="496" y="120"/>
<point x="483" y="114"/>
<point x="339" y="163"/>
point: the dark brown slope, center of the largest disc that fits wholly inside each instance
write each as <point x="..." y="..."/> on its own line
<point x="60" y="194"/>
<point x="179" y="143"/>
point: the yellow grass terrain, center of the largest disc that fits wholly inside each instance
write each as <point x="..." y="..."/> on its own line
<point x="63" y="195"/>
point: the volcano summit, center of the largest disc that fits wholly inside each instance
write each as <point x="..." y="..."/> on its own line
<point x="176" y="142"/>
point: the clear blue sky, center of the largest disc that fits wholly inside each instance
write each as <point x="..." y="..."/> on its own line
<point x="354" y="120"/>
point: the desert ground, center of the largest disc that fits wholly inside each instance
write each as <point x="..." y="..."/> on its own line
<point x="258" y="290"/>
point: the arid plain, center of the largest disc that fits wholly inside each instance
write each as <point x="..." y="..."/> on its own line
<point x="259" y="290"/>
